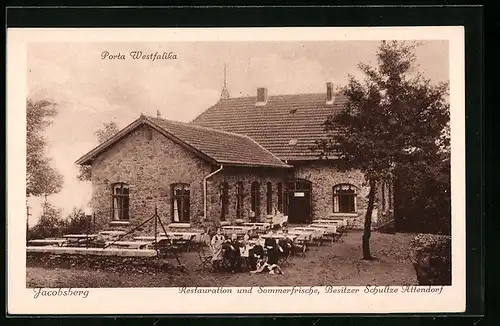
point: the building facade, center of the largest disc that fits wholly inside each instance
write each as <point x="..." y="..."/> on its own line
<point x="242" y="159"/>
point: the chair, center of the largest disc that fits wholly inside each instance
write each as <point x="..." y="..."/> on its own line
<point x="286" y="251"/>
<point x="300" y="245"/>
<point x="166" y="249"/>
<point x="205" y="258"/>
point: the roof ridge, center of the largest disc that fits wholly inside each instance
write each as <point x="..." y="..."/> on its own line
<point x="277" y="95"/>
<point x="195" y="126"/>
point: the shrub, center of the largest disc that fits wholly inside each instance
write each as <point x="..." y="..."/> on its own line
<point x="49" y="225"/>
<point x="431" y="258"/>
<point x="77" y="222"/>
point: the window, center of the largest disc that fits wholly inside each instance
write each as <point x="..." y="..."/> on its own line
<point x="239" y="200"/>
<point x="255" y="198"/>
<point x="180" y="202"/>
<point x="269" y="202"/>
<point x="344" y="198"/>
<point x="280" y="197"/>
<point x="224" y="199"/>
<point x="120" y="201"/>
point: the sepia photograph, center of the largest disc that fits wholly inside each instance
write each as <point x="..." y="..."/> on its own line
<point x="298" y="167"/>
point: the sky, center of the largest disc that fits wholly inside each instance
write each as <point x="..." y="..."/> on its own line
<point x="89" y="90"/>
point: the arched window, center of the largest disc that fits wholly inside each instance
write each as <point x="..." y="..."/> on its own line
<point x="344" y="198"/>
<point x="224" y="200"/>
<point x="255" y="198"/>
<point x="180" y="202"/>
<point x="239" y="200"/>
<point x="269" y="196"/>
<point x="120" y="201"/>
<point x="279" y="187"/>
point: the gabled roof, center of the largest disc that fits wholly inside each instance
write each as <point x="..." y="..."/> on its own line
<point x="214" y="146"/>
<point x="287" y="125"/>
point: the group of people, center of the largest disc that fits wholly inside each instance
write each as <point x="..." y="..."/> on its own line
<point x="258" y="259"/>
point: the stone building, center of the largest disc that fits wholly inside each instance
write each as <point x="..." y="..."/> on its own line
<point x="243" y="158"/>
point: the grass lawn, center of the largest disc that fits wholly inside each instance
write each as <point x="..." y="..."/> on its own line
<point x="331" y="264"/>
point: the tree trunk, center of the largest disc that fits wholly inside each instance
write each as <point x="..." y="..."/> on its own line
<point x="368" y="222"/>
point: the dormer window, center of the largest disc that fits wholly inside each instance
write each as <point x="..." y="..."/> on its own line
<point x="292" y="111"/>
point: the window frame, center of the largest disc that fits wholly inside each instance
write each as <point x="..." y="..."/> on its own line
<point x="224" y="200"/>
<point x="174" y="198"/>
<point x="279" y="189"/>
<point x="269" y="198"/>
<point x="240" y="188"/>
<point x="255" y="198"/>
<point x="340" y="195"/>
<point x="122" y="212"/>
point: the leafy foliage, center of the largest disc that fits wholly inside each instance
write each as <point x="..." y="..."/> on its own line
<point x="49" y="225"/>
<point x="394" y="118"/>
<point x="77" y="222"/>
<point x="41" y="178"/>
<point x="423" y="197"/>
<point x="108" y="130"/>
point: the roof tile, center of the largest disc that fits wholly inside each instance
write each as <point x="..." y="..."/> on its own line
<point x="284" y="117"/>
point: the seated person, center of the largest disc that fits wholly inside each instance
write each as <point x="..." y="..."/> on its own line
<point x="255" y="255"/>
<point x="267" y="266"/>
<point x="286" y="244"/>
<point x="246" y="237"/>
<point x="234" y="253"/>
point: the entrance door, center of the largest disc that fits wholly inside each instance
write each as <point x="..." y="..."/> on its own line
<point x="299" y="201"/>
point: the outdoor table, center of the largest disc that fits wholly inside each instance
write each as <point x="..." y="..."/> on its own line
<point x="150" y="238"/>
<point x="79" y="236"/>
<point x="302" y="234"/>
<point x="279" y="236"/>
<point x="129" y="244"/>
<point x="47" y="242"/>
<point x="340" y="222"/>
<point x="236" y="229"/>
<point x="329" y="228"/>
<point x="78" y="239"/>
<point x="179" y="226"/>
<point x="317" y="233"/>
<point x="259" y="226"/>
<point x="114" y="233"/>
<point x="183" y="235"/>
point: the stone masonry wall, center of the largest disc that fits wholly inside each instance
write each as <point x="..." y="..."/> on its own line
<point x="324" y="176"/>
<point x="232" y="175"/>
<point x="149" y="167"/>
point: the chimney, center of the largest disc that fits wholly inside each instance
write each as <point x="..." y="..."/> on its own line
<point x="158" y="114"/>
<point x="329" y="93"/>
<point x="261" y="96"/>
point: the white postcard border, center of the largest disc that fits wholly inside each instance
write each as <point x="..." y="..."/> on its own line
<point x="169" y="300"/>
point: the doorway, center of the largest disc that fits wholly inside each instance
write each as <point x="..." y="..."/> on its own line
<point x="299" y="201"/>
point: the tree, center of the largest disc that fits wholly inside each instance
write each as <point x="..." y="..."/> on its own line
<point x="41" y="178"/>
<point x="108" y="130"/>
<point x="49" y="225"/>
<point x="391" y="119"/>
<point x="77" y="222"/>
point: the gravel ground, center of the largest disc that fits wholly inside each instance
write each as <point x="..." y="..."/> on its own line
<point x="331" y="264"/>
